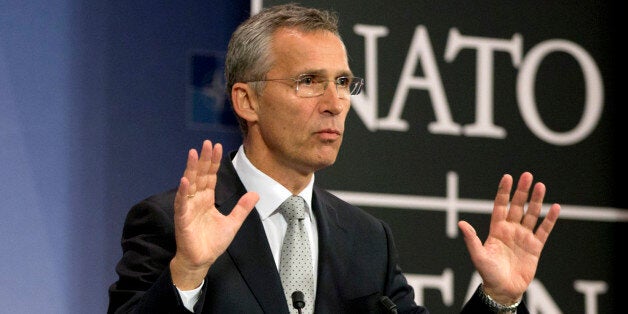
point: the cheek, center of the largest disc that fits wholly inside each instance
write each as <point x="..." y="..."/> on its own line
<point x="280" y="120"/>
<point x="283" y="112"/>
<point x="291" y="114"/>
<point x="284" y="116"/>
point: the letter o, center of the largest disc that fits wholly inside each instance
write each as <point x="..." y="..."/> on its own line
<point x="594" y="92"/>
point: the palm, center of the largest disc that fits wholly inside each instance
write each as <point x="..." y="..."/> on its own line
<point x="204" y="234"/>
<point x="508" y="259"/>
<point x="511" y="256"/>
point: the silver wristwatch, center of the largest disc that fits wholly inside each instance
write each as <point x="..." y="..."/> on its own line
<point x="497" y="307"/>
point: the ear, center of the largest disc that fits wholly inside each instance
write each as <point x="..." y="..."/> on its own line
<point x="245" y="101"/>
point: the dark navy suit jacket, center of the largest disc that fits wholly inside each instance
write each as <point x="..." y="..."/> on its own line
<point x="357" y="261"/>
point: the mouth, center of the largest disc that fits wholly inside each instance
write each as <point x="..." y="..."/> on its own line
<point x="329" y="134"/>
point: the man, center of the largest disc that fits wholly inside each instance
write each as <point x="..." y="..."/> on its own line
<point x="203" y="248"/>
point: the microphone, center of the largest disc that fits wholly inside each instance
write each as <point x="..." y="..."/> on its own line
<point x="388" y="305"/>
<point x="298" y="300"/>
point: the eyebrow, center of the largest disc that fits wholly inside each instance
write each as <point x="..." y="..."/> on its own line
<point x="324" y="73"/>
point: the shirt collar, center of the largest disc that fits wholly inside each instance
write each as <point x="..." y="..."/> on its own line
<point x="271" y="193"/>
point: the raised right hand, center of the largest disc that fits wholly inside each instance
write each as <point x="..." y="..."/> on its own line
<point x="203" y="233"/>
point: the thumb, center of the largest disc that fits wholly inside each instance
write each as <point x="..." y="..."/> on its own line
<point x="244" y="206"/>
<point x="474" y="245"/>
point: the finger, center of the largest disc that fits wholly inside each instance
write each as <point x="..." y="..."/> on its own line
<point x="500" y="207"/>
<point x="204" y="164"/>
<point x="471" y="240"/>
<point x="244" y="207"/>
<point x="191" y="170"/>
<point x="519" y="199"/>
<point x="534" y="207"/>
<point x="181" y="198"/>
<point x="215" y="165"/>
<point x="544" y="230"/>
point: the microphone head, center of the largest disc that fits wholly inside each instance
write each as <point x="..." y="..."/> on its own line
<point x="388" y="304"/>
<point x="298" y="300"/>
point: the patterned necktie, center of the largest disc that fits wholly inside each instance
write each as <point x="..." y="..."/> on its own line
<point x="295" y="266"/>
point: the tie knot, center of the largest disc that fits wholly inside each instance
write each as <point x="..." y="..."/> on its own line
<point x="293" y="208"/>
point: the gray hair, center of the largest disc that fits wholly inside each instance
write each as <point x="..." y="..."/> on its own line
<point x="248" y="54"/>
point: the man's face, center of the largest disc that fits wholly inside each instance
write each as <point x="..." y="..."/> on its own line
<point x="303" y="134"/>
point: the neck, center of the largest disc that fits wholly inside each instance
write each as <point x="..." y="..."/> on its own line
<point x="290" y="177"/>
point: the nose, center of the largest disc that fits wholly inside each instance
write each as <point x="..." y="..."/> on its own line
<point x="331" y="101"/>
<point x="341" y="92"/>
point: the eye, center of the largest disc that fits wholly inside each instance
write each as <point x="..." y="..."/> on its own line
<point x="307" y="80"/>
<point x="343" y="81"/>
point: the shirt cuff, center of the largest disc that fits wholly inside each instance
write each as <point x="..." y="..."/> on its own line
<point x="190" y="297"/>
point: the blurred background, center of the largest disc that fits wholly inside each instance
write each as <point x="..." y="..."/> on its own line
<point x="101" y="100"/>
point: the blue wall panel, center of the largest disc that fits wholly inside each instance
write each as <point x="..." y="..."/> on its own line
<point x="93" y="99"/>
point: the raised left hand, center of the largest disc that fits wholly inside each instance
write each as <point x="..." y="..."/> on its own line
<point x="508" y="259"/>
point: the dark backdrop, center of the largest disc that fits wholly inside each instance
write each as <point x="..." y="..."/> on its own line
<point x="100" y="101"/>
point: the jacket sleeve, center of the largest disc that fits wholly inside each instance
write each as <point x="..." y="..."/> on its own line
<point x="476" y="305"/>
<point x="148" y="245"/>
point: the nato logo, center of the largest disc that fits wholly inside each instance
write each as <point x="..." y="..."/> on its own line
<point x="208" y="107"/>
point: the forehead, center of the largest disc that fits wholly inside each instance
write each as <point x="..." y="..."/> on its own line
<point x="297" y="52"/>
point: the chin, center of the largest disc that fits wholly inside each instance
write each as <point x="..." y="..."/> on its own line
<point x="324" y="162"/>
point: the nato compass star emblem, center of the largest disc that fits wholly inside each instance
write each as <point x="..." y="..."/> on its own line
<point x="208" y="106"/>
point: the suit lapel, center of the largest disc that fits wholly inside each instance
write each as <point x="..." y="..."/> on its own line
<point x="333" y="241"/>
<point x="250" y="250"/>
<point x="336" y="240"/>
<point x="251" y="253"/>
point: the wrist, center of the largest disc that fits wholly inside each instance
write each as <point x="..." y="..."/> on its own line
<point x="186" y="278"/>
<point x="495" y="306"/>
